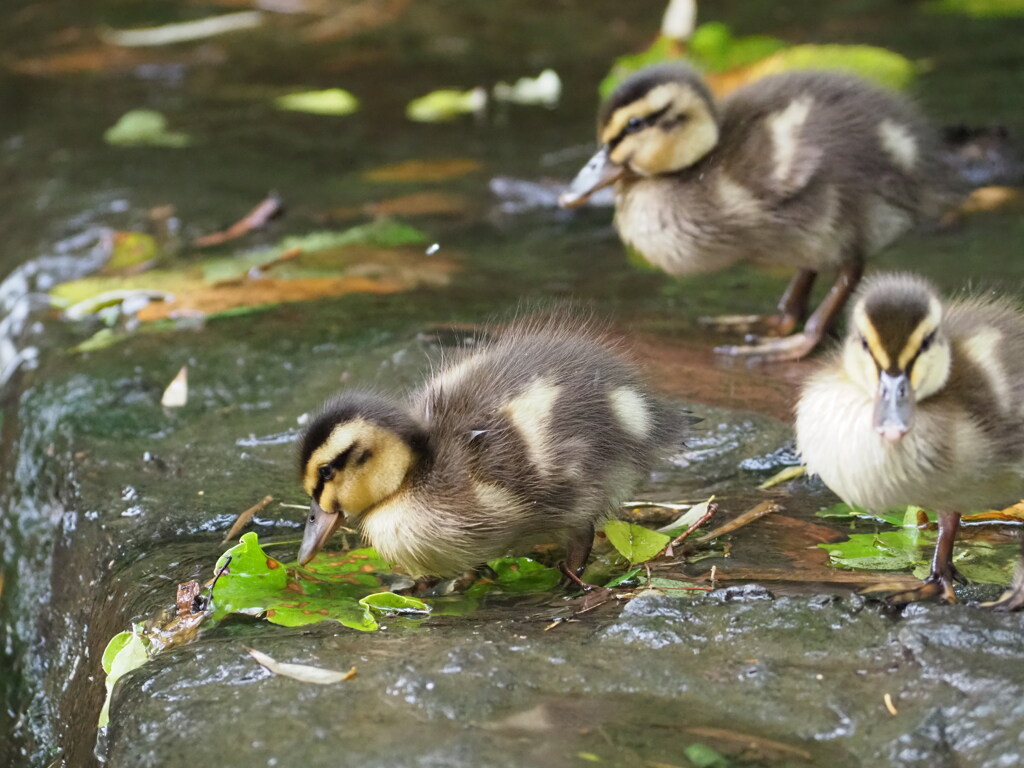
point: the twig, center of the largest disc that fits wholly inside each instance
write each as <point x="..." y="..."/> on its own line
<point x="257" y="218"/>
<point x="243" y="519"/>
<point x="668" y="550"/>
<point x="744" y="518"/>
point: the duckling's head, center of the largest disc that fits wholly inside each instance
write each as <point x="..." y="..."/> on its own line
<point x="660" y="120"/>
<point x="355" y="454"/>
<point x="896" y="349"/>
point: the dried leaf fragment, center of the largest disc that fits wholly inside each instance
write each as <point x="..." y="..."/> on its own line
<point x="176" y="394"/>
<point x="304" y="673"/>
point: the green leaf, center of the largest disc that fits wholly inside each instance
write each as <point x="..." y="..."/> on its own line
<point x="978" y="8"/>
<point x="634" y="542"/>
<point x="713" y="47"/>
<point x="125" y="651"/>
<point x="329" y="588"/>
<point x="333" y="101"/>
<point x="703" y="756"/>
<point x="446" y="104"/>
<point x="144" y="127"/>
<point x="624" y="578"/>
<point x="852" y="511"/>
<point x="885" y="551"/>
<point x="883" y="66"/>
<point x="389" y="602"/>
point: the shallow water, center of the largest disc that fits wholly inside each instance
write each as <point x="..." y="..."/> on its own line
<point x="109" y="500"/>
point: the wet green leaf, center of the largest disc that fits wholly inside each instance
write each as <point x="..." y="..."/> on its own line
<point x="882" y="66"/>
<point x="125" y="651"/>
<point x="446" y="104"/>
<point x="703" y="756"/>
<point x="634" y="542"/>
<point x="144" y="127"/>
<point x="978" y="8"/>
<point x="333" y="101"/>
<point x="523" y="574"/>
<point x="131" y="250"/>
<point x="329" y="588"/>
<point x="852" y="511"/>
<point x="389" y="602"/>
<point x="713" y="47"/>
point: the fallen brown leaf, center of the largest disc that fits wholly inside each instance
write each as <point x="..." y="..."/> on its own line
<point x="257" y="218"/>
<point x="243" y="519"/>
<point x="424" y="170"/>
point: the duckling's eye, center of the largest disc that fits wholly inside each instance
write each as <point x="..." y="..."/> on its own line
<point x="864" y="344"/>
<point x="634" y="124"/>
<point x="326" y="472"/>
<point x="928" y="341"/>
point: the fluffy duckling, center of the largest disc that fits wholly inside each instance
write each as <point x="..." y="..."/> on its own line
<point x="814" y="170"/>
<point x="534" y="435"/>
<point x="924" y="404"/>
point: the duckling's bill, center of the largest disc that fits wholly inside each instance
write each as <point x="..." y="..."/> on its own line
<point x="599" y="172"/>
<point x="894" y="406"/>
<point x="320" y="526"/>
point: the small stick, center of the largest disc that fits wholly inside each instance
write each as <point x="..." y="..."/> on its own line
<point x="257" y="218"/>
<point x="711" y="510"/>
<point x="243" y="519"/>
<point x="752" y="514"/>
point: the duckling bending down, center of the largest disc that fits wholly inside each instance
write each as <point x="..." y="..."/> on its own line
<point x="536" y="435"/>
<point x="815" y="170"/>
<point x="924" y="404"/>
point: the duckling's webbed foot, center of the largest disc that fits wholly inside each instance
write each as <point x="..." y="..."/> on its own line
<point x="801" y="344"/>
<point x="761" y="325"/>
<point x="774" y="350"/>
<point x="940" y="581"/>
<point x="1013" y="598"/>
<point x="792" y="311"/>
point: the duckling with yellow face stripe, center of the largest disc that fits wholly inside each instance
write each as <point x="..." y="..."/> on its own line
<point x="924" y="404"/>
<point x="814" y="170"/>
<point x="535" y="435"/>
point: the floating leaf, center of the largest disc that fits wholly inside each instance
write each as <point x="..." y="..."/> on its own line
<point x="443" y="105"/>
<point x="703" y="756"/>
<point x="634" y="542"/>
<point x="389" y="602"/>
<point x="424" y="170"/>
<point x="852" y="511"/>
<point x="125" y="651"/>
<point x="183" y="32"/>
<point x="131" y="251"/>
<point x="883" y="66"/>
<point x="687" y="519"/>
<point x="543" y="90"/>
<point x="333" y="101"/>
<point x="144" y="127"/>
<point x="304" y="673"/>
<point x="782" y="476"/>
<point x="515" y="575"/>
<point x="176" y="394"/>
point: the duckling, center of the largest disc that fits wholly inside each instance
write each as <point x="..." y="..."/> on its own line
<point x="923" y="404"/>
<point x="814" y="170"/>
<point x="535" y="435"/>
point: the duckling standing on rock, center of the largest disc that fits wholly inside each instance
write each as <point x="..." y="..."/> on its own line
<point x="816" y="170"/>
<point x="924" y="405"/>
<point x="536" y="435"/>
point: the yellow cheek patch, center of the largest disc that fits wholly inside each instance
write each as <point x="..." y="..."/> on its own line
<point x="867" y="330"/>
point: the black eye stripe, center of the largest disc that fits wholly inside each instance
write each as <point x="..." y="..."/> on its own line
<point x="640" y="123"/>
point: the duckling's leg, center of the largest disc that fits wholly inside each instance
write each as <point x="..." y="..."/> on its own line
<point x="1013" y="598"/>
<point x="944" y="573"/>
<point x="792" y="311"/>
<point x="577" y="552"/>
<point x="801" y="344"/>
